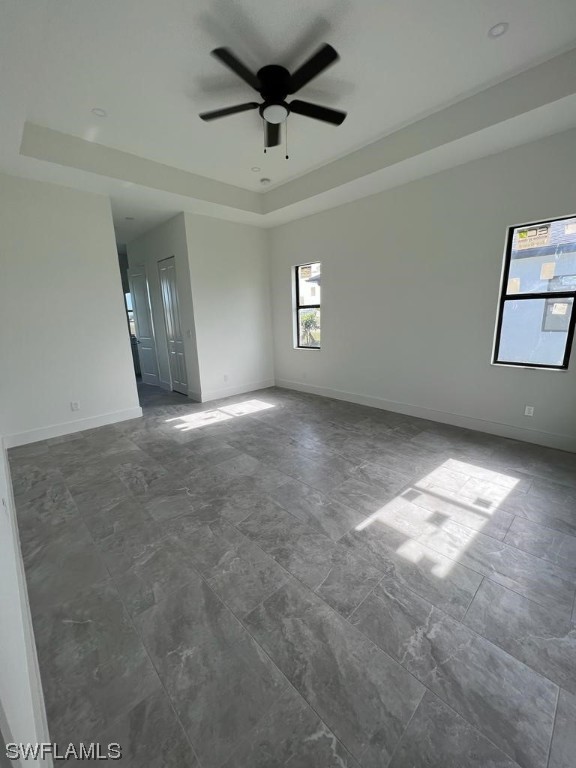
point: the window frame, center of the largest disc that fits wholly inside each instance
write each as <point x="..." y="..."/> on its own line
<point x="299" y="306"/>
<point x="504" y="297"/>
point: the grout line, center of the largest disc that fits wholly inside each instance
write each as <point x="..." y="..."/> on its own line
<point x="553" y="728"/>
<point x="412" y="716"/>
<point x="472" y="600"/>
<point x="349" y="617"/>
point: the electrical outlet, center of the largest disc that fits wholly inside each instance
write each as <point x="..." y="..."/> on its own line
<point x="74" y="405"/>
<point x="529" y="410"/>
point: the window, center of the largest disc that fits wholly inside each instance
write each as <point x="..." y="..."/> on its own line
<point x="130" y="313"/>
<point x="307" y="278"/>
<point x="536" y="315"/>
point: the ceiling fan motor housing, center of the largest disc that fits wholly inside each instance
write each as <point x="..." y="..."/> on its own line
<point x="274" y="87"/>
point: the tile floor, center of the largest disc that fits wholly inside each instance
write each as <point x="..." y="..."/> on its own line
<point x="279" y="579"/>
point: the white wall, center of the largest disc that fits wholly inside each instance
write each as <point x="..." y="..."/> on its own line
<point x="63" y="331"/>
<point x="410" y="282"/>
<point x="230" y="288"/>
<point x="22" y="714"/>
<point x="162" y="242"/>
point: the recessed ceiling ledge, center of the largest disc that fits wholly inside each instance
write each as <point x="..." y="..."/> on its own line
<point x="64" y="149"/>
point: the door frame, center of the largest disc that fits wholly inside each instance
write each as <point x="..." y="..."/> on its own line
<point x="141" y="269"/>
<point x="159" y="265"/>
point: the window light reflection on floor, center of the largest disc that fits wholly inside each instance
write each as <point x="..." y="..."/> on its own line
<point x="441" y="514"/>
<point x="225" y="413"/>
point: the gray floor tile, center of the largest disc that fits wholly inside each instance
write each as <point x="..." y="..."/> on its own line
<point x="219" y="681"/>
<point x="291" y="734"/>
<point x="60" y="567"/>
<point x="530" y="576"/>
<point x="163" y="566"/>
<point x="439" y="738"/>
<point x="443" y="582"/>
<point x="563" y="747"/>
<point x="94" y="667"/>
<point x="137" y="472"/>
<point x="301" y="549"/>
<point x="348" y="581"/>
<point x="556" y="547"/>
<point x="363" y="498"/>
<point x="118" y="517"/>
<point x="291" y="518"/>
<point x="99" y="494"/>
<point x="150" y="735"/>
<point x="481" y="682"/>
<point x="492" y="522"/>
<point x="238" y="571"/>
<point x="559" y="517"/>
<point x="363" y="696"/>
<point x="315" y="508"/>
<point x="540" y="637"/>
<point x="339" y="576"/>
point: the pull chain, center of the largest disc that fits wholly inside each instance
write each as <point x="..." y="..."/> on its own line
<point x="286" y="139"/>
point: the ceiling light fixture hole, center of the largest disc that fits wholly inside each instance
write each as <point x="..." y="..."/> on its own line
<point x="264" y="181"/>
<point x="129" y="218"/>
<point x="255" y="169"/>
<point x="99" y="112"/>
<point x="498" y="29"/>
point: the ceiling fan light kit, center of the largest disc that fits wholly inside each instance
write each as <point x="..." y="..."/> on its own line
<point x="275" y="84"/>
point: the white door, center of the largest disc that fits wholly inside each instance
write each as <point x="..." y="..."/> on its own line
<point x="144" y="326"/>
<point x="176" y="357"/>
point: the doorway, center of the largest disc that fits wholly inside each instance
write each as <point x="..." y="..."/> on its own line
<point x="175" y="342"/>
<point x="144" y="327"/>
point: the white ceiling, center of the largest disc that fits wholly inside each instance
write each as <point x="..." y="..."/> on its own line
<point x="147" y="64"/>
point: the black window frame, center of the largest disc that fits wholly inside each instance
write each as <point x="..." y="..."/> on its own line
<point x="505" y="296"/>
<point x="304" y="306"/>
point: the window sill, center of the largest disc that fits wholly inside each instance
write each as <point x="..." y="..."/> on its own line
<point x="529" y="367"/>
<point x="308" y="349"/>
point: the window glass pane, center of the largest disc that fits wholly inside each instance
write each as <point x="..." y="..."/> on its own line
<point x="309" y="284"/>
<point x="309" y="327"/>
<point x="128" y="297"/>
<point x="535" y="331"/>
<point x="543" y="258"/>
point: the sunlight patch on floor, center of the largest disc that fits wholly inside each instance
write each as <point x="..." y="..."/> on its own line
<point x="455" y="492"/>
<point x="218" y="415"/>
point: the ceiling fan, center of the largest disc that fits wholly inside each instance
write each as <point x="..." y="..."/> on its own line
<point x="274" y="84"/>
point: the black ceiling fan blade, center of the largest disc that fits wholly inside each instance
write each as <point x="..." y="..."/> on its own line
<point x="217" y="113"/>
<point x="317" y="112"/>
<point x="321" y="60"/>
<point x="272" y="134"/>
<point x="231" y="61"/>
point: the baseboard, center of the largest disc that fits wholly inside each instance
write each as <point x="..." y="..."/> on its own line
<point x="548" y="439"/>
<point x="31" y="683"/>
<point x="216" y="394"/>
<point x="68" y="427"/>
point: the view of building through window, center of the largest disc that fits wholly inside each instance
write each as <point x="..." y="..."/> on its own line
<point x="536" y="317"/>
<point x="308" y="289"/>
